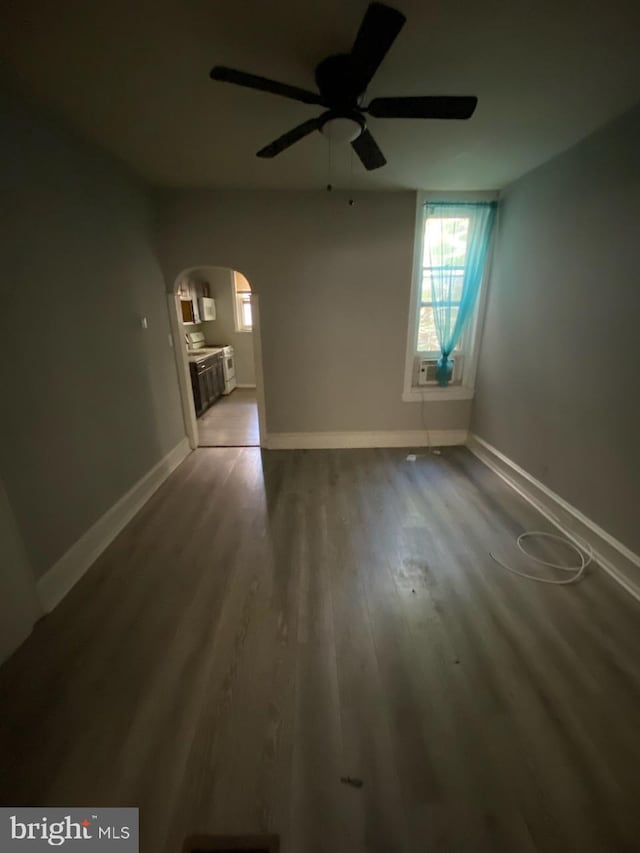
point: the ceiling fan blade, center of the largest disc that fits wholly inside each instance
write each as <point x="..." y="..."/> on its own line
<point x="290" y="138"/>
<point x="367" y="150"/>
<point x="378" y="31"/>
<point x="263" y="84"/>
<point x="431" y="106"/>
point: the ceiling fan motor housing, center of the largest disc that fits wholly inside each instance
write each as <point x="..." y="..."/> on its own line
<point x="338" y="83"/>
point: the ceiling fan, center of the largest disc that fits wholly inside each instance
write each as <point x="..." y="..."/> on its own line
<point x="342" y="80"/>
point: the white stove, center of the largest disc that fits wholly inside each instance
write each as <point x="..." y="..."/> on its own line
<point x="197" y="350"/>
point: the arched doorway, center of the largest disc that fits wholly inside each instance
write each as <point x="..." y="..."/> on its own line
<point x="215" y="320"/>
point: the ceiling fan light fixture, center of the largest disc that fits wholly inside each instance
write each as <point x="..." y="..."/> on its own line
<point x="342" y="128"/>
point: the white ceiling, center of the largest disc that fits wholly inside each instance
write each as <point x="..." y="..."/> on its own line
<point x="133" y="76"/>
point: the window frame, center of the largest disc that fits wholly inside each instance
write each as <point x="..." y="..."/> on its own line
<point x="240" y="298"/>
<point x="467" y="352"/>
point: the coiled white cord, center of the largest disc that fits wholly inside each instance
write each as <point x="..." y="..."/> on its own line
<point x="584" y="553"/>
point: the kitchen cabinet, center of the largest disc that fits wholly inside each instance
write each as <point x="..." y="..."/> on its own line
<point x="207" y="382"/>
<point x="189" y="293"/>
<point x="219" y="367"/>
<point x="190" y="314"/>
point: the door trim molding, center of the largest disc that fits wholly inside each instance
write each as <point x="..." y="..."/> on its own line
<point x="182" y="368"/>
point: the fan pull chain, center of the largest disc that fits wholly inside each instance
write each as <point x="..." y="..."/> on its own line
<point x="329" y="184"/>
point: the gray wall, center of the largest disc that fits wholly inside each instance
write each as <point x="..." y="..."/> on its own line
<point x="334" y="284"/>
<point x="19" y="606"/>
<point x="222" y="330"/>
<point x="558" y="376"/>
<point x="90" y="400"/>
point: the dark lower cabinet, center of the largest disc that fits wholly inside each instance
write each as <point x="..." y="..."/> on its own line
<point x="207" y="381"/>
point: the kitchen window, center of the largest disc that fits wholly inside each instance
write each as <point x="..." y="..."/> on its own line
<point x="242" y="303"/>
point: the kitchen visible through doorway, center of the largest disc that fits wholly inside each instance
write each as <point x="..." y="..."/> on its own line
<point x="217" y="317"/>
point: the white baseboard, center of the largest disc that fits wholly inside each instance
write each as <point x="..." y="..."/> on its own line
<point x="67" y="571"/>
<point x="382" y="438"/>
<point x="246" y="386"/>
<point x="614" y="557"/>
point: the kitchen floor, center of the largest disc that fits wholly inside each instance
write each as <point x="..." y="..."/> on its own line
<point x="231" y="422"/>
<point x="271" y="623"/>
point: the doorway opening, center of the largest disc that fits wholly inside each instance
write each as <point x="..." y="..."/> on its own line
<point x="216" y="327"/>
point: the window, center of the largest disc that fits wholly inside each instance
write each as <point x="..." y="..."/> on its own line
<point x="444" y="247"/>
<point x="451" y="247"/>
<point x="242" y="303"/>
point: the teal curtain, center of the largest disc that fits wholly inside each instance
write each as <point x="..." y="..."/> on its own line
<point x="457" y="240"/>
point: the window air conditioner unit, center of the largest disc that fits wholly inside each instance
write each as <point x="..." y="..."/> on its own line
<point x="427" y="371"/>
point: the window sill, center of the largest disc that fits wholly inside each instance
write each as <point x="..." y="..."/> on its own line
<point x="431" y="393"/>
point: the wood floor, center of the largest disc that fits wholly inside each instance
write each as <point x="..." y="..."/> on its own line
<point x="272" y="622"/>
<point x="231" y="422"/>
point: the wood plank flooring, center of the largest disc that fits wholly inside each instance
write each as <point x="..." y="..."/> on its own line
<point x="270" y="622"/>
<point x="231" y="422"/>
